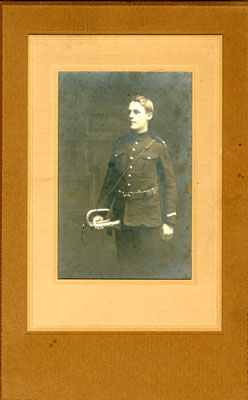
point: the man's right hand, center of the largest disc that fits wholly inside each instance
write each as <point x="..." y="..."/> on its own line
<point x="97" y="218"/>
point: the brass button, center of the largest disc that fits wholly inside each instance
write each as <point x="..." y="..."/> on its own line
<point x="149" y="157"/>
<point x="133" y="149"/>
<point x="131" y="166"/>
<point x="136" y="142"/>
<point x="131" y="158"/>
<point x="129" y="175"/>
<point x="129" y="184"/>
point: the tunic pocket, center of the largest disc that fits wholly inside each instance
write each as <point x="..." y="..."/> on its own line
<point x="120" y="161"/>
<point x="146" y="165"/>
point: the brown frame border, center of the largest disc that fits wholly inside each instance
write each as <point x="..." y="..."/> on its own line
<point x="124" y="365"/>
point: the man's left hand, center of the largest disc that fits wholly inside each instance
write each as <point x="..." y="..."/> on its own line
<point x="167" y="232"/>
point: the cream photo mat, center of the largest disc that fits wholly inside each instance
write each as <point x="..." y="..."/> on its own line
<point x="69" y="305"/>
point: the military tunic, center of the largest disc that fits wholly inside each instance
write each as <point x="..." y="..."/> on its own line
<point x="146" y="214"/>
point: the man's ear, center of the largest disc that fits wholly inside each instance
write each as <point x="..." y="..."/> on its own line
<point x="149" y="116"/>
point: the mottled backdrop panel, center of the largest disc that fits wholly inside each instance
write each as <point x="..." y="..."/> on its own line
<point x="92" y="113"/>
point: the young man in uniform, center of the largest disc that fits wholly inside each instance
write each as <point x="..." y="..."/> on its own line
<point x="141" y="185"/>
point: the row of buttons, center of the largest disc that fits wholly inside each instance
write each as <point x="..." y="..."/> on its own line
<point x="130" y="166"/>
<point x="129" y="175"/>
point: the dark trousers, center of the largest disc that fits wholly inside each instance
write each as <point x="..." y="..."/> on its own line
<point x="138" y="251"/>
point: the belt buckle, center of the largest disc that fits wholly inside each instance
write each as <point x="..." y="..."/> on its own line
<point x="128" y="196"/>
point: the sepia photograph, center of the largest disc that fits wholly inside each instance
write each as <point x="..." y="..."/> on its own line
<point x="124" y="175"/>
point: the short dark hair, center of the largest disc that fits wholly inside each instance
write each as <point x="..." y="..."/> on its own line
<point x="145" y="102"/>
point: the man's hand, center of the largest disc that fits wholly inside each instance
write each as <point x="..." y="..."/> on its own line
<point x="167" y="232"/>
<point x="97" y="218"/>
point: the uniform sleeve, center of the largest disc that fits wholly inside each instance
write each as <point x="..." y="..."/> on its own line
<point x="106" y="197"/>
<point x="169" y="191"/>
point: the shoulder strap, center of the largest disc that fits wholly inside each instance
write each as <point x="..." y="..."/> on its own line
<point x="126" y="169"/>
<point x="161" y="141"/>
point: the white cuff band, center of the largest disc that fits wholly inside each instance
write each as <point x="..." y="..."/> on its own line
<point x="170" y="215"/>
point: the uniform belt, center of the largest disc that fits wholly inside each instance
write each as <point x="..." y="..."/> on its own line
<point x="140" y="194"/>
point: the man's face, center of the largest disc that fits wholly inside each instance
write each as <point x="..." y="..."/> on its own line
<point x="138" y="117"/>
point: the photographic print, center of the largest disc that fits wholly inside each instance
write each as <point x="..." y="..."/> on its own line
<point x="125" y="145"/>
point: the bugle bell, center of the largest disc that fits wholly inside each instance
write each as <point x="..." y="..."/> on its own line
<point x="105" y="223"/>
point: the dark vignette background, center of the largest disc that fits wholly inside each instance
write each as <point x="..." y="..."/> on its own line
<point x="92" y="113"/>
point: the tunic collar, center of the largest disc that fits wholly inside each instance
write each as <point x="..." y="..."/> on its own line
<point x="139" y="137"/>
